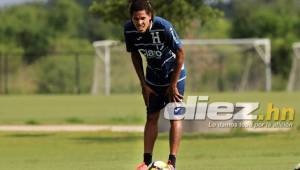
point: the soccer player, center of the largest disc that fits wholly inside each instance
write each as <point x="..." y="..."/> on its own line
<point x="155" y="39"/>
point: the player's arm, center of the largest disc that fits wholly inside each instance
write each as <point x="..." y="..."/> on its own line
<point x="175" y="45"/>
<point x="138" y="66"/>
<point x="178" y="67"/>
<point x="172" y="90"/>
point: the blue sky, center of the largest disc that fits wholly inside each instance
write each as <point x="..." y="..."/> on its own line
<point x="12" y="2"/>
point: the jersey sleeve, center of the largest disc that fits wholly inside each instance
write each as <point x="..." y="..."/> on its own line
<point x="128" y="36"/>
<point x="129" y="45"/>
<point x="172" y="38"/>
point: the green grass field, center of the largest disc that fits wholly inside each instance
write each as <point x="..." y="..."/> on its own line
<point x="115" y="109"/>
<point x="115" y="151"/>
<point x="118" y="109"/>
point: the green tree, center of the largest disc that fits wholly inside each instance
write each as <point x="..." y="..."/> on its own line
<point x="277" y="20"/>
<point x="25" y="26"/>
<point x="65" y="17"/>
<point x="67" y="22"/>
<point x="39" y="28"/>
<point x="180" y="12"/>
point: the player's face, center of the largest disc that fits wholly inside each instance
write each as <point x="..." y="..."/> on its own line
<point x="141" y="20"/>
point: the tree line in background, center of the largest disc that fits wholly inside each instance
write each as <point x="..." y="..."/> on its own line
<point x="275" y="19"/>
<point x="35" y="30"/>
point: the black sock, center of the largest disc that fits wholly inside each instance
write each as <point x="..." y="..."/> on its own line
<point x="147" y="158"/>
<point x="172" y="159"/>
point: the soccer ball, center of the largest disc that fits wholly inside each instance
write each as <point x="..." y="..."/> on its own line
<point x="158" y="165"/>
<point x="297" y="167"/>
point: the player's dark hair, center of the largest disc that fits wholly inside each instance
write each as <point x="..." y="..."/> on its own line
<point x="139" y="5"/>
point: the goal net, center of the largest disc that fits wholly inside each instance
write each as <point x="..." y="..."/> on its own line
<point x="294" y="81"/>
<point x="212" y="65"/>
<point x="228" y="64"/>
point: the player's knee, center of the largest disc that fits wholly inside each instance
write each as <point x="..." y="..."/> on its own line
<point x="176" y="123"/>
<point x="153" y="118"/>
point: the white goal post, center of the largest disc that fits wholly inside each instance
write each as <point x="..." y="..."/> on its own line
<point x="261" y="46"/>
<point x="102" y="49"/>
<point x="295" y="65"/>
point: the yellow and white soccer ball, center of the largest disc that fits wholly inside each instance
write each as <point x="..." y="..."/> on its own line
<point x="158" y="165"/>
<point x="297" y="167"/>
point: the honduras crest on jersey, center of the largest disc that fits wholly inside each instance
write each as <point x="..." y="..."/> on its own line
<point x="158" y="45"/>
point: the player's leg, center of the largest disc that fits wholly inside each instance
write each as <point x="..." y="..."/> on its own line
<point x="175" y="136"/>
<point x="151" y="131"/>
<point x="175" y="131"/>
<point x="174" y="140"/>
<point x="150" y="135"/>
<point x="151" y="127"/>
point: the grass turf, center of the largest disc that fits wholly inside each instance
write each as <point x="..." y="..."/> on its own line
<point x="114" y="151"/>
<point x="115" y="109"/>
<point x="118" y="109"/>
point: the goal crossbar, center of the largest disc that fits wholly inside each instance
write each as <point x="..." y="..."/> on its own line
<point x="102" y="48"/>
<point x="225" y="41"/>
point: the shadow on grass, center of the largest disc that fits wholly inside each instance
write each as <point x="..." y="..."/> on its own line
<point x="226" y="136"/>
<point x="127" y="120"/>
<point x="30" y="135"/>
<point x="112" y="139"/>
<point x="32" y="122"/>
<point x="208" y="136"/>
<point x="74" y="120"/>
<point x="102" y="138"/>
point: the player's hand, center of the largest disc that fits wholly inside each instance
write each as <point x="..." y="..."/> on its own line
<point x="174" y="95"/>
<point x="147" y="91"/>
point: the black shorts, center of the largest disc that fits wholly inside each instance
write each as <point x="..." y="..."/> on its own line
<point x="156" y="103"/>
